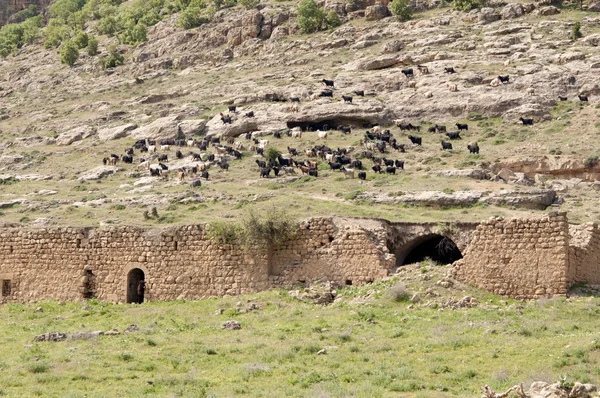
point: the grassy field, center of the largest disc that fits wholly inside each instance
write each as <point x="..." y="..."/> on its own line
<point x="377" y="345"/>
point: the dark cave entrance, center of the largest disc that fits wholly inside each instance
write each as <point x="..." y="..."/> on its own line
<point x="438" y="248"/>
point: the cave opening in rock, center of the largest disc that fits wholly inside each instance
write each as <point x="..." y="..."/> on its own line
<point x="438" y="248"/>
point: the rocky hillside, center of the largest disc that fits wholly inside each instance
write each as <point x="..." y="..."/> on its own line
<point x="59" y="122"/>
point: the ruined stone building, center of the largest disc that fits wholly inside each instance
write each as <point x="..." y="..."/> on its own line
<point x="518" y="258"/>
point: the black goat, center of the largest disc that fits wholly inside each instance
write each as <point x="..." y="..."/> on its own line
<point x="265" y="172"/>
<point x="347" y="99"/>
<point x="460" y="126"/>
<point x="232" y="108"/>
<point x="326" y="93"/>
<point x="446" y="145"/>
<point x="360" y="93"/>
<point x="504" y="78"/>
<point x="449" y="70"/>
<point x="178" y="154"/>
<point x="295" y="99"/>
<point x="328" y="83"/>
<point x="583" y="98"/>
<point x="390" y="170"/>
<point x="408" y="72"/>
<point x="225" y="119"/>
<point x="454" y="136"/>
<point x="376" y="168"/>
<point x="362" y="175"/>
<point x="440" y="129"/>
<point x="415" y="140"/>
<point x="163" y="158"/>
<point x="562" y="97"/>
<point x="526" y="121"/>
<point x="473" y="148"/>
<point x="250" y="114"/>
<point x="399" y="164"/>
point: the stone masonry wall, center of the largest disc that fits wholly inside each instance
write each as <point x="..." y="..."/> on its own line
<point x="178" y="262"/>
<point x="584" y="253"/>
<point x="519" y="258"/>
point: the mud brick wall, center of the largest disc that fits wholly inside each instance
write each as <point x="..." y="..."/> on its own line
<point x="519" y="258"/>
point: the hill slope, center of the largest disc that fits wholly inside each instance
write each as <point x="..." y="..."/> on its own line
<point x="57" y="120"/>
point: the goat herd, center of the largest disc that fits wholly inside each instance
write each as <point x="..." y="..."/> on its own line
<point x="376" y="143"/>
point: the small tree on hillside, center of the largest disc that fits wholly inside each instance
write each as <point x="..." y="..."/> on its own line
<point x="92" y="46"/>
<point x="332" y="19"/>
<point x="310" y="17"/>
<point x="401" y="9"/>
<point x="69" y="53"/>
<point x="81" y="40"/>
<point x="272" y="154"/>
<point x="249" y="4"/>
<point x="576" y="34"/>
<point x="466" y="5"/>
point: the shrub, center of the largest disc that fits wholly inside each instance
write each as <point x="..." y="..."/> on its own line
<point x="223" y="232"/>
<point x="310" y="17"/>
<point x="134" y="33"/>
<point x="113" y="60"/>
<point x="108" y="25"/>
<point x="81" y="40"/>
<point x="63" y="9"/>
<point x="401" y="9"/>
<point x="249" y="4"/>
<point x="332" y="20"/>
<point x="30" y="12"/>
<point x="465" y="5"/>
<point x="272" y="154"/>
<point x="56" y="32"/>
<point x="590" y="162"/>
<point x="267" y="231"/>
<point x="576" y="34"/>
<point x="92" y="46"/>
<point x="399" y="293"/>
<point x="192" y="17"/>
<point x="69" y="53"/>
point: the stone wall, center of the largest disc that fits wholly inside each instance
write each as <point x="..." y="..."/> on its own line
<point x="519" y="258"/>
<point x="584" y="253"/>
<point x="178" y="262"/>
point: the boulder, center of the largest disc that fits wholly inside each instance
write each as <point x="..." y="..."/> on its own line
<point x="192" y="127"/>
<point x="546" y="11"/>
<point x="540" y="389"/>
<point x="376" y="12"/>
<point x="592" y="40"/>
<point x="580" y="390"/>
<point x="75" y="134"/>
<point x="393" y="47"/>
<point x="114" y="133"/>
<point x="231" y="325"/>
<point x="51" y="336"/>
<point x="477" y="174"/>
<point x="382" y="62"/>
<point x="487" y="15"/>
<point x="239" y="126"/>
<point x="98" y="173"/>
<point x="567" y="57"/>
<point x="511" y="11"/>
<point x="11" y="158"/>
<point x="164" y="128"/>
<point x="538" y="199"/>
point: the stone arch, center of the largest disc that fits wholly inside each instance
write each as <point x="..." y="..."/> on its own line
<point x="440" y="248"/>
<point x="134" y="275"/>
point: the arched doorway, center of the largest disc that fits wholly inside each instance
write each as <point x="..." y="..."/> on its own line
<point x="133" y="279"/>
<point x="438" y="248"/>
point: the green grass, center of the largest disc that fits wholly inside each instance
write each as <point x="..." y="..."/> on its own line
<point x="375" y="347"/>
